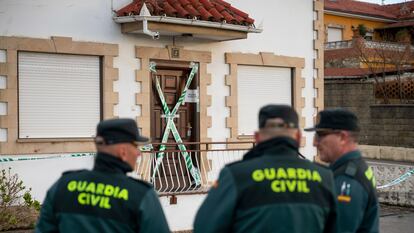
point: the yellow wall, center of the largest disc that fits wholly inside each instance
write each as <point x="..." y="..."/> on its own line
<point x="348" y="22"/>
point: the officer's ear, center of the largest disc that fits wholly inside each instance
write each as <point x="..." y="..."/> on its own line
<point x="346" y="137"/>
<point x="256" y="136"/>
<point x="122" y="152"/>
<point x="298" y="136"/>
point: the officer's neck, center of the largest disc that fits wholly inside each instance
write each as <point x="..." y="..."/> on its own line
<point x="345" y="149"/>
<point x="110" y="163"/>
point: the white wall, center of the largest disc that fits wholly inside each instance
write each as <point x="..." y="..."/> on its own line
<point x="41" y="174"/>
<point x="288" y="31"/>
<point x="181" y="216"/>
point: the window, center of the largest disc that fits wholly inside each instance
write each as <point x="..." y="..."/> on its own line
<point x="369" y="35"/>
<point x="334" y="34"/>
<point x="258" y="86"/>
<point x="251" y="73"/>
<point x="59" y="95"/>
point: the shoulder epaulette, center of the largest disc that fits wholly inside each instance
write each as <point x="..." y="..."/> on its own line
<point x="351" y="169"/>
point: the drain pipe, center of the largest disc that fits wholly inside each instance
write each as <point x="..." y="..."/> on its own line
<point x="145" y="12"/>
<point x="146" y="31"/>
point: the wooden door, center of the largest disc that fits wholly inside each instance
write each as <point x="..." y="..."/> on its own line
<point x="172" y="172"/>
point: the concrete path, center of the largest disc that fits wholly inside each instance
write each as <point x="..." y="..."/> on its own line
<point x="394" y="219"/>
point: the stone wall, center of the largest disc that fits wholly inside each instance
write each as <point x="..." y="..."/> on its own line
<point x="391" y="125"/>
<point x="357" y="96"/>
<point x="381" y="125"/>
<point x="400" y="194"/>
<point x="388" y="153"/>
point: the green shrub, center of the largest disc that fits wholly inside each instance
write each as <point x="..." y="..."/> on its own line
<point x="403" y="35"/>
<point x="18" y="209"/>
<point x="362" y="30"/>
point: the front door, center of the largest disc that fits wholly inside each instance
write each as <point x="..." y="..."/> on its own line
<point x="172" y="173"/>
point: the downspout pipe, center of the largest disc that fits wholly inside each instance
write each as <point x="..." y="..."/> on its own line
<point x="145" y="12"/>
<point x="146" y="31"/>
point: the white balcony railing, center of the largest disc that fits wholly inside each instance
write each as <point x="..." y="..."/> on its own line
<point x="338" y="45"/>
<point x="173" y="174"/>
<point x="368" y="44"/>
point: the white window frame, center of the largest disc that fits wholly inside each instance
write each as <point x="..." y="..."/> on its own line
<point x="335" y="28"/>
<point x="258" y="86"/>
<point x="262" y="59"/>
<point x="74" y="102"/>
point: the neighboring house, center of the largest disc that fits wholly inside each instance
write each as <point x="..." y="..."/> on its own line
<point x="341" y="17"/>
<point x="372" y="75"/>
<point x="368" y="61"/>
<point x="368" y="40"/>
<point x="66" y="65"/>
<point x="392" y="22"/>
<point x="357" y="33"/>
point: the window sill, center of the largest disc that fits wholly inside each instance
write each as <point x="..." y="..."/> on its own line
<point x="245" y="137"/>
<point x="40" y="140"/>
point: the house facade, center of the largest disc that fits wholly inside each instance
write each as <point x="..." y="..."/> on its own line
<point x="66" y="65"/>
<point x="390" y="22"/>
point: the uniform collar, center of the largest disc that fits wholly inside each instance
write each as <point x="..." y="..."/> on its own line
<point x="109" y="163"/>
<point x="276" y="146"/>
<point x="356" y="154"/>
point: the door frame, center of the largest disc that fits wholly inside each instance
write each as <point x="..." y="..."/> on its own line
<point x="180" y="66"/>
<point x="143" y="98"/>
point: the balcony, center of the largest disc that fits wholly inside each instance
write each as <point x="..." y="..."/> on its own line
<point x="187" y="172"/>
<point x="346" y="44"/>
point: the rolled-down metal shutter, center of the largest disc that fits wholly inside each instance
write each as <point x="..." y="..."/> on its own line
<point x="258" y="86"/>
<point x="59" y="95"/>
<point x="334" y="34"/>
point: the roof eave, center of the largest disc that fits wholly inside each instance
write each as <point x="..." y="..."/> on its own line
<point x="353" y="15"/>
<point x="190" y="22"/>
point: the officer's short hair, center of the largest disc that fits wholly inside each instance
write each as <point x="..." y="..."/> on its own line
<point x="278" y="116"/>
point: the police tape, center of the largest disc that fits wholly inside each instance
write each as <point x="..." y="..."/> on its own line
<point x="170" y="126"/>
<point x="149" y="148"/>
<point x="398" y="180"/>
<point x="28" y="158"/>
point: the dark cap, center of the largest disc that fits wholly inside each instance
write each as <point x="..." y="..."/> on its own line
<point x="336" y="119"/>
<point x="118" y="131"/>
<point x="284" y="116"/>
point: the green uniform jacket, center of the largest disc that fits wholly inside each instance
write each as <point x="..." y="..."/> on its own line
<point x="101" y="200"/>
<point x="357" y="199"/>
<point x="270" y="190"/>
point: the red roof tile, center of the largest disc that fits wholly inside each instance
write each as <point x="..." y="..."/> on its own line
<point x="361" y="8"/>
<point x="345" y="72"/>
<point x="398" y="11"/>
<point x="181" y="11"/>
<point x="401" y="10"/>
<point x="340" y="54"/>
<point x="207" y="4"/>
<point x="356" y="72"/>
<point x="169" y="10"/>
<point x="190" y="8"/>
<point x="208" y="10"/>
<point x="217" y="16"/>
<point x="399" y="24"/>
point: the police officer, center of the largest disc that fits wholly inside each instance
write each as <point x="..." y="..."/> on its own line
<point x="336" y="140"/>
<point x="271" y="189"/>
<point x="105" y="199"/>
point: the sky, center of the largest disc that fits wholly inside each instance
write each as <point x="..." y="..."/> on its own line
<point x="385" y="1"/>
